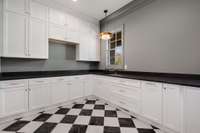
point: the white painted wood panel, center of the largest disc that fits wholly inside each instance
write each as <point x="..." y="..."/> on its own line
<point x="152" y="101"/>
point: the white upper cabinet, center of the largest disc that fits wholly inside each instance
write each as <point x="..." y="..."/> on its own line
<point x="57" y="17"/>
<point x="57" y="32"/>
<point x="191" y="110"/>
<point x="152" y="101"/>
<point x="15" y="35"/>
<point x="25" y="35"/>
<point x="39" y="11"/>
<point x="38" y="39"/>
<point x="89" y="43"/>
<point x="172" y="107"/>
<point x="17" y="6"/>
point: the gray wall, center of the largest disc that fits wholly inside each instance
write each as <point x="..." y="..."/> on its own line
<point x="1" y="29"/>
<point x="163" y="36"/>
<point x="60" y="58"/>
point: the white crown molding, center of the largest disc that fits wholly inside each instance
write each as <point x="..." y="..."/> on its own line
<point x="127" y="9"/>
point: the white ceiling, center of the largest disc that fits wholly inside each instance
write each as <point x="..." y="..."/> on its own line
<point x="94" y="8"/>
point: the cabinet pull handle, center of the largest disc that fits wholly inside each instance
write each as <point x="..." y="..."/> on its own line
<point x="152" y="84"/>
<point x="40" y="81"/>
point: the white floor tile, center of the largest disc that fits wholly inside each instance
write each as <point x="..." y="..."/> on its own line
<point x="121" y="114"/>
<point x="74" y="112"/>
<point x="30" y="117"/>
<point x="98" y="113"/>
<point x="62" y="128"/>
<point x="31" y="127"/>
<point x="100" y="102"/>
<point x="94" y="129"/>
<point x="88" y="106"/>
<point x="55" y="118"/>
<point x="52" y="111"/>
<point x="107" y="107"/>
<point x="128" y="130"/>
<point x="108" y="121"/>
<point x="83" y="120"/>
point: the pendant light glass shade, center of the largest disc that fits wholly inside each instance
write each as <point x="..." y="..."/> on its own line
<point x="106" y="35"/>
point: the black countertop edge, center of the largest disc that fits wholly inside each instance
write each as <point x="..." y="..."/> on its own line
<point x="170" y="78"/>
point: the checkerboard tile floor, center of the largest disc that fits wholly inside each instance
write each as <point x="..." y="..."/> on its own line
<point x="87" y="116"/>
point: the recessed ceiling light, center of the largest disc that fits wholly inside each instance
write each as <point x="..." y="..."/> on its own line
<point x="74" y="0"/>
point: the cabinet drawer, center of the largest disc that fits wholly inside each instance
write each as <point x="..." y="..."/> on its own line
<point x="147" y="84"/>
<point x="129" y="82"/>
<point x="133" y="92"/>
<point x="126" y="103"/>
<point x="39" y="81"/>
<point x="13" y="83"/>
<point x="60" y="79"/>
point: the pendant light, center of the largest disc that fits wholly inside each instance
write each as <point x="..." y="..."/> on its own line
<point x="106" y="35"/>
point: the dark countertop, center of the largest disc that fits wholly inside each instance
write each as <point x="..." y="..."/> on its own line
<point x="180" y="79"/>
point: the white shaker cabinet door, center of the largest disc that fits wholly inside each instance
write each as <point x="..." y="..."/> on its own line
<point x="57" y="17"/>
<point x="76" y="88"/>
<point x="13" y="101"/>
<point x="60" y="92"/>
<point x="152" y="101"/>
<point x="172" y="107"/>
<point x="57" y="32"/>
<point x="17" y="6"/>
<point x="38" y="40"/>
<point x="15" y="35"/>
<point x="192" y="110"/>
<point x="38" y="11"/>
<point x="39" y="96"/>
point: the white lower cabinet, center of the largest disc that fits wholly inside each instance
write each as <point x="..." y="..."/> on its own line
<point x="172" y="107"/>
<point x="39" y="93"/>
<point x="88" y="85"/>
<point x="152" y="101"/>
<point x="191" y="110"/>
<point x="60" y="90"/>
<point x="13" y="97"/>
<point x="102" y="88"/>
<point x="76" y="87"/>
<point x="128" y="97"/>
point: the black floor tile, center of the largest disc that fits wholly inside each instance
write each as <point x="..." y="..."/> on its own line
<point x="111" y="129"/>
<point x="102" y="107"/>
<point x="46" y="128"/>
<point x="99" y="121"/>
<point x="16" y="126"/>
<point x="78" y="106"/>
<point x="90" y="102"/>
<point x="63" y="111"/>
<point x="42" y="117"/>
<point x="126" y="122"/>
<point x="78" y="129"/>
<point x="109" y="113"/>
<point x="154" y="127"/>
<point x="140" y="130"/>
<point x="69" y="119"/>
<point x="86" y="112"/>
